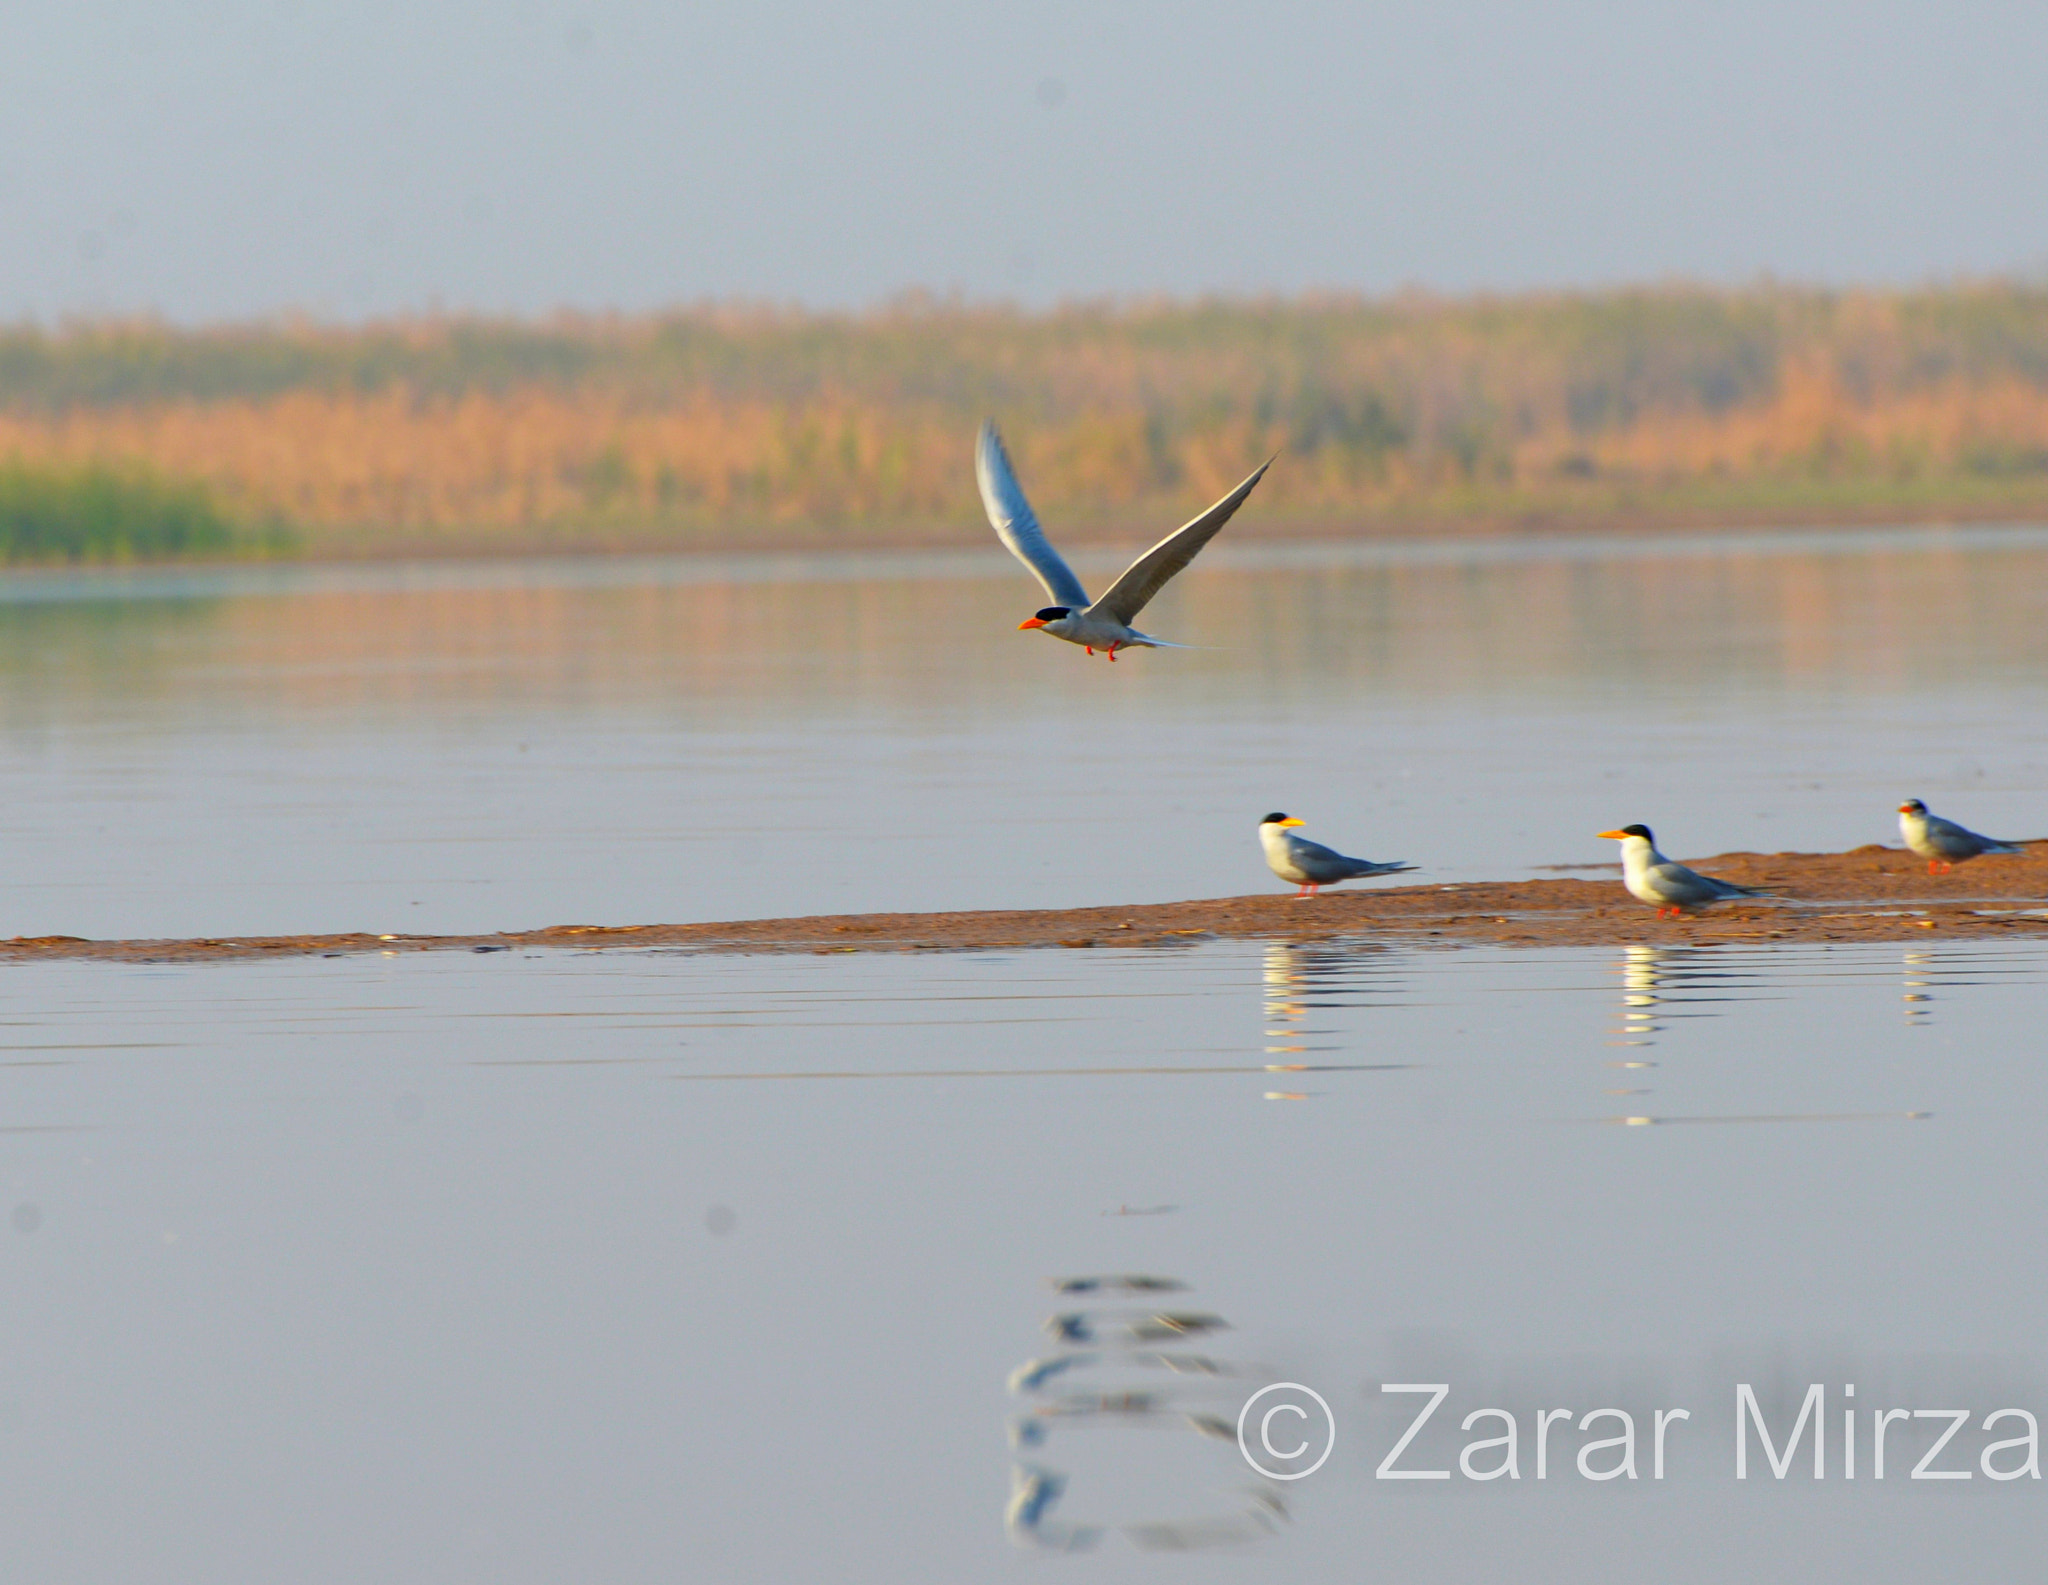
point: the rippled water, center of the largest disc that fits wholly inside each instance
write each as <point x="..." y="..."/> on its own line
<point x="643" y="1266"/>
<point x="637" y="1266"/>
<point x="484" y="747"/>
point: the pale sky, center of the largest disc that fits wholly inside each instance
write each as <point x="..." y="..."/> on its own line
<point x="222" y="159"/>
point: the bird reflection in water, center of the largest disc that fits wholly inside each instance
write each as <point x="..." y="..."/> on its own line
<point x="1302" y="980"/>
<point x="1118" y="1284"/>
<point x="1928" y="973"/>
<point x="1639" y="981"/>
<point x="1920" y="968"/>
<point x="1130" y="1326"/>
<point x="1659" y="984"/>
<point x="1662" y="983"/>
<point x="1112" y="1378"/>
<point x="1028" y="1518"/>
<point x="1665" y="983"/>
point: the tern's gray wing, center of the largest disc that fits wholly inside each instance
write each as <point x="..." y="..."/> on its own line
<point x="1960" y="842"/>
<point x="1318" y="863"/>
<point x="1950" y="840"/>
<point x="1017" y="525"/>
<point x="1325" y="866"/>
<point x="1147" y="575"/>
<point x="1682" y="885"/>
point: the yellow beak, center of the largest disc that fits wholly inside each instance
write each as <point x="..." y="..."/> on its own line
<point x="1290" y="821"/>
<point x="1619" y="836"/>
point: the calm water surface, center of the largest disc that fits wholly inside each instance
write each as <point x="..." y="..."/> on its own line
<point x="642" y="1266"/>
<point x="487" y="747"/>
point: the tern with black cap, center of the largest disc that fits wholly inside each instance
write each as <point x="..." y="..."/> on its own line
<point x="1103" y="624"/>
<point x="1652" y="878"/>
<point x="1943" y="843"/>
<point x="1310" y="865"/>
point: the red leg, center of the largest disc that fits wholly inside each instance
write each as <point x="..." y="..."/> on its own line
<point x="1091" y="649"/>
<point x="1112" y="652"/>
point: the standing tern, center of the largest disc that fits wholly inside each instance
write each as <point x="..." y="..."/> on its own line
<point x="1652" y="878"/>
<point x="1310" y="865"/>
<point x="1943" y="843"/>
<point x="1103" y="624"/>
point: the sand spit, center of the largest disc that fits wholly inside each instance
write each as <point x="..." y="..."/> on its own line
<point x="1870" y="894"/>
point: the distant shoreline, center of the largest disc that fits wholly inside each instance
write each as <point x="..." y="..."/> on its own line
<point x="1127" y="531"/>
<point x="1871" y="894"/>
<point x="1137" y="528"/>
<point x="1622" y="409"/>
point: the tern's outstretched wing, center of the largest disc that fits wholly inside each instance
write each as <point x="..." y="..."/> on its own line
<point x="1147" y="575"/>
<point x="1017" y="525"/>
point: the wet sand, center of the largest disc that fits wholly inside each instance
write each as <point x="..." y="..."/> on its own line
<point x="1869" y="894"/>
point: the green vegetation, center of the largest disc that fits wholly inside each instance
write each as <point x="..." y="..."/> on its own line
<point x="95" y="513"/>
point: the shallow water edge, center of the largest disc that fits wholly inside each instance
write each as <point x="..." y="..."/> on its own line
<point x="1871" y="894"/>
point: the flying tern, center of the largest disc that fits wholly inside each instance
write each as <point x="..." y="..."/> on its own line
<point x="1943" y="843"/>
<point x="1103" y="624"/>
<point x="1652" y="878"/>
<point x="1310" y="865"/>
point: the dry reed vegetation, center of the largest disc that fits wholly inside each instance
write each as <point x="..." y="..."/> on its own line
<point x="731" y="425"/>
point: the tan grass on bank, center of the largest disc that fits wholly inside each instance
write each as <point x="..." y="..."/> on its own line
<point x="729" y="427"/>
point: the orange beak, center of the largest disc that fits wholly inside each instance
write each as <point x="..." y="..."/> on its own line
<point x="1290" y="821"/>
<point x="1905" y="809"/>
<point x="1029" y="622"/>
<point x="1617" y="835"/>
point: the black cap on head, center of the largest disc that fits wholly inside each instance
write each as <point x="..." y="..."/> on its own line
<point x="1053" y="613"/>
<point x="1637" y="831"/>
<point x="1275" y="815"/>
